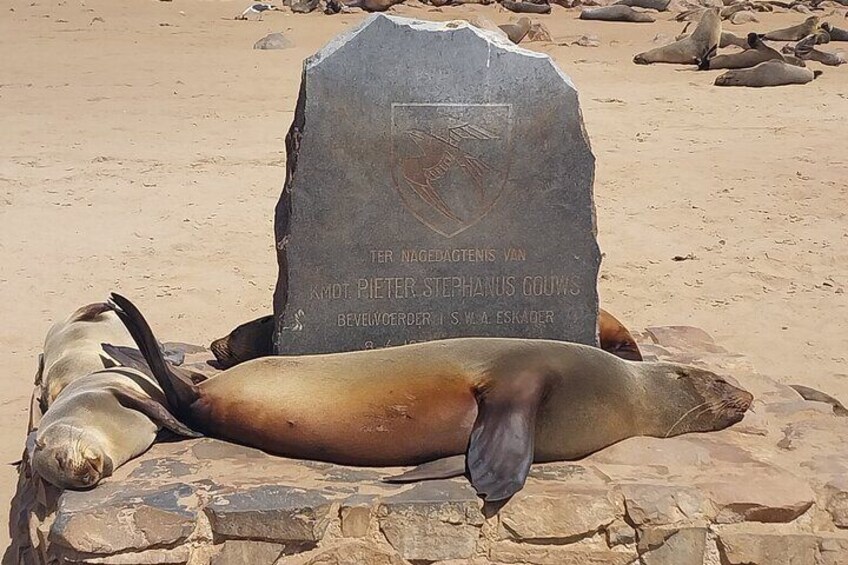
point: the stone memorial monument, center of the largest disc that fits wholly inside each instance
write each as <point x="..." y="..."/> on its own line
<point x="439" y="184"/>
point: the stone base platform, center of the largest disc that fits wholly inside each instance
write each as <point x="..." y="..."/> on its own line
<point x="772" y="490"/>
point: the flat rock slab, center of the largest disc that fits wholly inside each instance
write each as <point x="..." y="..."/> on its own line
<point x="439" y="184"/>
<point x="727" y="497"/>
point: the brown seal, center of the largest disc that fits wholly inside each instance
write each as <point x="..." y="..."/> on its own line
<point x="255" y="339"/>
<point x="771" y="73"/>
<point x="502" y="403"/>
<point x="835" y="33"/>
<point x="796" y="32"/>
<point x="756" y="53"/>
<point x="691" y="49"/>
<point x="814" y="395"/>
<point x="806" y="50"/>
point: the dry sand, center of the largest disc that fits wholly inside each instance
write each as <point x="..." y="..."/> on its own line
<point x="143" y="152"/>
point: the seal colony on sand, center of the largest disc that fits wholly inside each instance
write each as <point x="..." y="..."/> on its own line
<point x="502" y="403"/>
<point x="771" y="73"/>
<point x="691" y="49"/>
<point x="254" y="339"/>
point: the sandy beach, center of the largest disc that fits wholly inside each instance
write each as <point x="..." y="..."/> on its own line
<point x="142" y="151"/>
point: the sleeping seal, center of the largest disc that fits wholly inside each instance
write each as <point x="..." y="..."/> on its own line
<point x="498" y="403"/>
<point x="98" y="423"/>
<point x="771" y="73"/>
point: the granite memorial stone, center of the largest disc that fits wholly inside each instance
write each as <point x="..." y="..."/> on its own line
<point x="438" y="184"/>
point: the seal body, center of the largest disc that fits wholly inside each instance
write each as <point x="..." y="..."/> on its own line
<point x="775" y="72"/>
<point x="502" y="403"/>
<point x="616" y="13"/>
<point x="99" y="422"/>
<point x="688" y="50"/>
<point x="72" y="348"/>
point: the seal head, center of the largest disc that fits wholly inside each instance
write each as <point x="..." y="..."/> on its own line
<point x="67" y="457"/>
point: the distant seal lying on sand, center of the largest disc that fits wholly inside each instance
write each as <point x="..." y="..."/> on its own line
<point x="615" y="14"/>
<point x="254" y="339"/>
<point x="794" y="33"/>
<point x="658" y="5"/>
<point x="98" y="423"/>
<point x="691" y="49"/>
<point x="499" y="403"/>
<point x="835" y="33"/>
<point x="756" y="54"/>
<point x="527" y="6"/>
<point x="806" y="51"/>
<point x="771" y="73"/>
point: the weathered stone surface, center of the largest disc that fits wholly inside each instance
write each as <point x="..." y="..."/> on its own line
<point x="273" y="41"/>
<point x="355" y="516"/>
<point x="509" y="552"/>
<point x="649" y="504"/>
<point x="566" y="515"/>
<point x="433" y="520"/>
<point x="273" y="513"/>
<point x="354" y="553"/>
<point x="430" y="197"/>
<point x="239" y="552"/>
<point x="684" y="337"/>
<point x="110" y="520"/>
<point x="673" y="547"/>
<point x="204" y="501"/>
<point x="738" y="548"/>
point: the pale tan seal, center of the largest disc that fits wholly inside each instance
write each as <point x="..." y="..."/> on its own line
<point x="691" y="49"/>
<point x="616" y="13"/>
<point x="98" y="423"/>
<point x="796" y="32"/>
<point x="72" y="348"/>
<point x="501" y="403"/>
<point x="771" y="73"/>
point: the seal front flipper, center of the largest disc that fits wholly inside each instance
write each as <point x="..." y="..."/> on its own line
<point x="152" y="409"/>
<point x="500" y="451"/>
<point x="445" y="468"/>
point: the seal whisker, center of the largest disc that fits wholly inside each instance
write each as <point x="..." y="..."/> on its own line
<point x="683" y="417"/>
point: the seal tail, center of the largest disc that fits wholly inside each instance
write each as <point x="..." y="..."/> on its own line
<point x="179" y="392"/>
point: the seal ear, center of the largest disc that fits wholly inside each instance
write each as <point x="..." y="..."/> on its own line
<point x="500" y="451"/>
<point x="152" y="409"/>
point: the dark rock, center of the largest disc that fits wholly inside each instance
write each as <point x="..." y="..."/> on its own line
<point x="273" y="513"/>
<point x="427" y="200"/>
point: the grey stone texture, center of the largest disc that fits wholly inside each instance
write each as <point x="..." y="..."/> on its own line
<point x="439" y="184"/>
<point x="727" y="498"/>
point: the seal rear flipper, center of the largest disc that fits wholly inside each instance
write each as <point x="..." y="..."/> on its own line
<point x="445" y="468"/>
<point x="152" y="409"/>
<point x="501" y="448"/>
<point x="180" y="392"/>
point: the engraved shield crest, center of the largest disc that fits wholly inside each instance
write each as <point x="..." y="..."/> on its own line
<point x="450" y="162"/>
